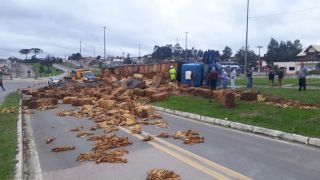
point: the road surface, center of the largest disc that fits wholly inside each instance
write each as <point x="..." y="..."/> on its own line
<point x="226" y="153"/>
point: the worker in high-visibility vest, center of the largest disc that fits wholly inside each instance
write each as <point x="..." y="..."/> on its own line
<point x="173" y="73"/>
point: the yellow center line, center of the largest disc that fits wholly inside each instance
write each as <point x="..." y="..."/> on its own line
<point x="191" y="163"/>
<point x="204" y="160"/>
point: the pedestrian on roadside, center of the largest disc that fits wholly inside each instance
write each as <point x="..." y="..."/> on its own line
<point x="213" y="76"/>
<point x="271" y="77"/>
<point x="224" y="79"/>
<point x="249" y="78"/>
<point x="280" y="76"/>
<point x="1" y="80"/>
<point x="303" y="72"/>
<point x="233" y="76"/>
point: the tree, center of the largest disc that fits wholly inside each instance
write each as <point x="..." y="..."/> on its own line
<point x="162" y="52"/>
<point x="25" y="51"/>
<point x="98" y="57"/>
<point x="75" y="56"/>
<point x="36" y="51"/>
<point x="252" y="57"/>
<point x="285" y="51"/>
<point x="177" y="51"/>
<point x="226" y="53"/>
<point x="211" y="56"/>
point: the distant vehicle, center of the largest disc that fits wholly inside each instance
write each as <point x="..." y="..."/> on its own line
<point x="54" y="81"/>
<point x="88" y="76"/>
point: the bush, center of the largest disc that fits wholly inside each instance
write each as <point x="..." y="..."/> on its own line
<point x="314" y="72"/>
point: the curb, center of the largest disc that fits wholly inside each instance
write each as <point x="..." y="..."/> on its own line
<point x="19" y="156"/>
<point x="315" y="142"/>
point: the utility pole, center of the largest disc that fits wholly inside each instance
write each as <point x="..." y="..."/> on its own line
<point x="246" y="53"/>
<point x="94" y="53"/>
<point x="80" y="46"/>
<point x="186" y="46"/>
<point x="139" y="54"/>
<point x="104" y="41"/>
<point x="259" y="56"/>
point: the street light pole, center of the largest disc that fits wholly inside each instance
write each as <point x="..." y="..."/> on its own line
<point x="104" y="41"/>
<point x="186" y="46"/>
<point x="80" y="46"/>
<point x="246" y="53"/>
<point x="139" y="54"/>
<point x="259" y="56"/>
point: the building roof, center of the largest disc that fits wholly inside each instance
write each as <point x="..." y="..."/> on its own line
<point x="304" y="51"/>
<point x="315" y="47"/>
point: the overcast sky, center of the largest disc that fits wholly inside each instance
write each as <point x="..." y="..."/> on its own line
<point x="57" y="26"/>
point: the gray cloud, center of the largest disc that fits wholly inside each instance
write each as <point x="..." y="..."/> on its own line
<point x="57" y="26"/>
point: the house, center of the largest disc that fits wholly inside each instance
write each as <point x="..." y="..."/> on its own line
<point x="290" y="67"/>
<point x="311" y="55"/>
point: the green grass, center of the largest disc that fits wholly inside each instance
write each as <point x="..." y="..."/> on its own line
<point x="8" y="137"/>
<point x="54" y="71"/>
<point x="293" y="120"/>
<point x="308" y="96"/>
<point x="70" y="65"/>
<point x="265" y="81"/>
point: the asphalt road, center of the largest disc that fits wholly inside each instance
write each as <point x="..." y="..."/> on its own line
<point x="226" y="153"/>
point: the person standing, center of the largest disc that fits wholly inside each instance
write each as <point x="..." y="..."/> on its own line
<point x="172" y="73"/>
<point x="271" y="77"/>
<point x="233" y="76"/>
<point x="1" y="80"/>
<point x="249" y="78"/>
<point x="303" y="72"/>
<point x="213" y="77"/>
<point x="280" y="76"/>
<point x="224" y="79"/>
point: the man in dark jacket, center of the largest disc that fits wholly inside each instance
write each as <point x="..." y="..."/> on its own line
<point x="271" y="77"/>
<point x="249" y="78"/>
<point x="213" y="77"/>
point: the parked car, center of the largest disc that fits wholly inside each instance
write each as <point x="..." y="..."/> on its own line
<point x="54" y="81"/>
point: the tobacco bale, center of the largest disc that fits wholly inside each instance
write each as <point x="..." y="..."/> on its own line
<point x="159" y="96"/>
<point x="108" y="104"/>
<point x="139" y="92"/>
<point x="156" y="81"/>
<point x="109" y="79"/>
<point x="32" y="105"/>
<point x="68" y="99"/>
<point x="133" y="83"/>
<point x="162" y="174"/>
<point x="81" y="101"/>
<point x="248" y="96"/>
<point x="229" y="101"/>
<point x="47" y="102"/>
<point x="144" y="111"/>
<point x="150" y="92"/>
<point x="26" y="99"/>
<point x="119" y="91"/>
<point x="138" y="76"/>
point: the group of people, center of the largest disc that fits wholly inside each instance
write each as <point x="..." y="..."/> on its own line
<point x="272" y="74"/>
<point x="302" y="74"/>
<point x="214" y="76"/>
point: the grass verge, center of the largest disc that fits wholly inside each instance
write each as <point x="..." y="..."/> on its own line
<point x="43" y="71"/>
<point x="70" y="65"/>
<point x="308" y="96"/>
<point x="8" y="137"/>
<point x="292" y="120"/>
<point x="264" y="81"/>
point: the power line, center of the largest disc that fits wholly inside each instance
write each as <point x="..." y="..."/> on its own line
<point x="283" y="13"/>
